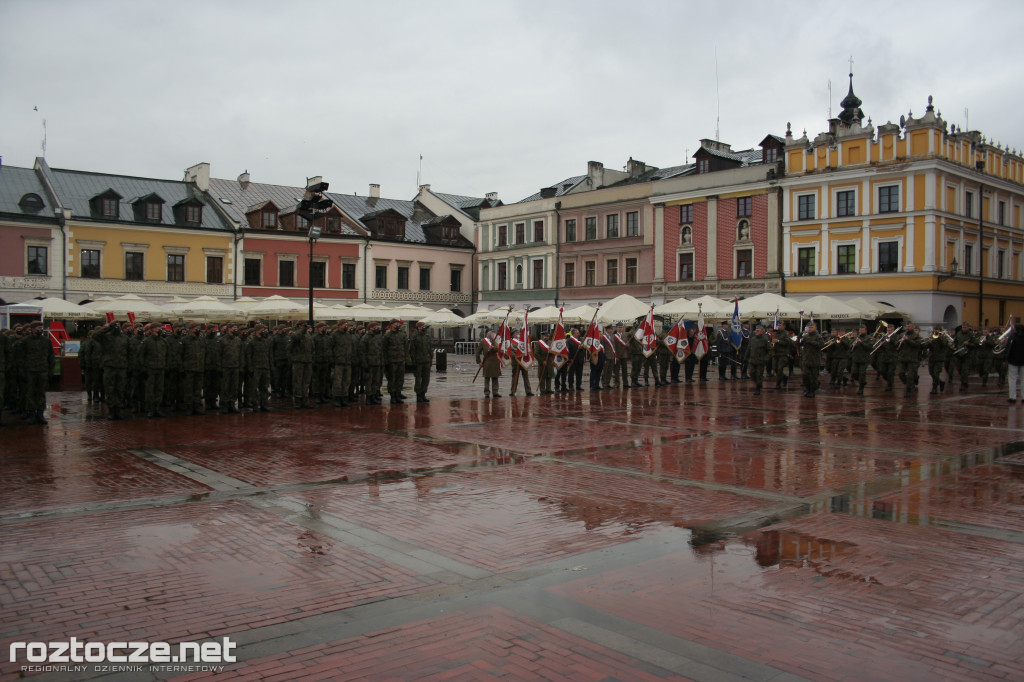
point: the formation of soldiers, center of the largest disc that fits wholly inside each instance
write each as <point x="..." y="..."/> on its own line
<point x="198" y="368"/>
<point x="26" y="361"/>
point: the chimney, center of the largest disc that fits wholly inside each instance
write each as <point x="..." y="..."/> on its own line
<point x="374" y="191"/>
<point x="595" y="174"/>
<point x="424" y="188"/>
<point x="200" y="175"/>
<point x="548" y="192"/>
<point x="314" y="180"/>
<point x="635" y="168"/>
<point x="491" y="196"/>
<point x="716" y="145"/>
<point x="243" y="179"/>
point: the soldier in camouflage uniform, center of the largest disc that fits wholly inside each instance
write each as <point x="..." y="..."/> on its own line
<point x="113" y="343"/>
<point x="341" y="346"/>
<point x="193" y="363"/>
<point x="300" y="355"/>
<point x="39" y="364"/>
<point x="230" y="359"/>
<point x="175" y="369"/>
<point x="860" y="359"/>
<point x="758" y="354"/>
<point x="282" y="365"/>
<point x="373" y="353"/>
<point x="321" y="364"/>
<point x="909" y="358"/>
<point x="396" y="348"/>
<point x="154" y="363"/>
<point x="421" y="351"/>
<point x="782" y="343"/>
<point x="260" y="359"/>
<point x="545" y="362"/>
<point x="211" y="385"/>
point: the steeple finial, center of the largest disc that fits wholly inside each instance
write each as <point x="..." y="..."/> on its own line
<point x="851" y="103"/>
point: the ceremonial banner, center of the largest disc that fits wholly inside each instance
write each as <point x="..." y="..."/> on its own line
<point x="505" y="344"/>
<point x="558" y="345"/>
<point x="524" y="349"/>
<point x="700" y="340"/>
<point x="592" y="340"/>
<point x="775" y="324"/>
<point x="646" y="335"/>
<point x="131" y="319"/>
<point x="677" y="342"/>
<point x="735" y="328"/>
<point x="110" y="317"/>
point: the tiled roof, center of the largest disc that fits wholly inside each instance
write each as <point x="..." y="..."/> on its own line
<point x="561" y="188"/>
<point x="657" y="174"/>
<point x="358" y="207"/>
<point x="460" y="201"/>
<point x="238" y="199"/>
<point x="76" y="188"/>
<point x="746" y="157"/>
<point x="17" y="182"/>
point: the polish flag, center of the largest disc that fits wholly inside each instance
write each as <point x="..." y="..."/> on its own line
<point x="592" y="340"/>
<point x="505" y="344"/>
<point x="558" y="345"/>
<point x="524" y="349"/>
<point x="646" y="335"/>
<point x="677" y="342"/>
<point x="700" y="340"/>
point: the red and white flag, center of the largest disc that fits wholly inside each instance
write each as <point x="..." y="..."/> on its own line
<point x="558" y="345"/>
<point x="677" y="342"/>
<point x="524" y="349"/>
<point x="504" y="341"/>
<point x="700" y="339"/>
<point x="110" y="317"/>
<point x="646" y="335"/>
<point x="592" y="339"/>
<point x="131" y="318"/>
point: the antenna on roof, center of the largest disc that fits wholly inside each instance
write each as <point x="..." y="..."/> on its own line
<point x="718" y="97"/>
<point x="830" y="99"/>
<point x="419" y="174"/>
<point x="36" y="108"/>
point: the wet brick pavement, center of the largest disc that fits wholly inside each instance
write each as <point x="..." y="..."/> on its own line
<point x="694" y="531"/>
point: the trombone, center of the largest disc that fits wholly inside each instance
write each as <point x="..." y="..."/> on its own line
<point x="833" y="341"/>
<point x="885" y="339"/>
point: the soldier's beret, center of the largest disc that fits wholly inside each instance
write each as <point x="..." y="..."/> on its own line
<point x="35" y="323"/>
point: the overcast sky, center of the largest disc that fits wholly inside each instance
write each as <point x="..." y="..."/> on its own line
<point x="504" y="96"/>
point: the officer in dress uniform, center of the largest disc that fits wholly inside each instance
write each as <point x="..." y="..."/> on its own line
<point x="544" y="359"/>
<point x="487" y="356"/>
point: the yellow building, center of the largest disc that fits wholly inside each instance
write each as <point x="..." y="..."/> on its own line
<point x="155" y="238"/>
<point x="918" y="214"/>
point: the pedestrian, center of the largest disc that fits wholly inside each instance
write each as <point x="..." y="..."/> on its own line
<point x="1015" y="362"/>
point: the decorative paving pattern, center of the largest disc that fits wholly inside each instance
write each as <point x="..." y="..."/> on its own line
<point x="179" y="573"/>
<point x="832" y="597"/>
<point x="510" y="518"/>
<point x="481" y="644"/>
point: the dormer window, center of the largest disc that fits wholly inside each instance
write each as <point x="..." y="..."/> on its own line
<point x="108" y="207"/>
<point x="333" y="223"/>
<point x="703" y="165"/>
<point x="154" y="211"/>
<point x="31" y="203"/>
<point x="188" y="212"/>
<point x="770" y="155"/>
<point x="194" y="214"/>
<point x="268" y="220"/>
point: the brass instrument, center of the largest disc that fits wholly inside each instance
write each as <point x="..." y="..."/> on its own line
<point x="833" y="341"/>
<point x="886" y="339"/>
<point x="1003" y="341"/>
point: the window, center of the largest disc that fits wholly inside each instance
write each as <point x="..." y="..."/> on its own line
<point x="133" y="266"/>
<point x="403" y="277"/>
<point x="301" y="224"/>
<point x="286" y="273"/>
<point x="570" y="274"/>
<point x="381" y="277"/>
<point x="631" y="272"/>
<point x="805" y="207"/>
<point x="333" y="223"/>
<point x="591" y="229"/>
<point x="771" y="155"/>
<point x="888" y="256"/>
<point x="91" y="263"/>
<point x="538" y="230"/>
<point x="520" y="233"/>
<point x="633" y="224"/>
<point x="348" y="275"/>
<point x="214" y="269"/>
<point x="424" y="279"/>
<point x="846" y="259"/>
<point x="968" y="258"/>
<point x="318" y="274"/>
<point x="703" y="165"/>
<point x="456" y="280"/>
<point x="889" y="199"/>
<point x="153" y="211"/>
<point x="269" y="220"/>
<point x="686" y="214"/>
<point x="846" y="203"/>
<point x="590" y="273"/>
<point x="109" y="208"/>
<point x="612" y="272"/>
<point x="502" y="235"/>
<point x="502" y="276"/>
<point x="612" y="223"/>
<point x="744" y="207"/>
<point x="805" y="262"/>
<point x="1002" y="212"/>
<point x="31" y="203"/>
<point x="969" y="204"/>
<point x="519" y="275"/>
<point x="744" y="264"/>
<point x="193" y="214"/>
<point x="252" y="272"/>
<point x="570" y="230"/>
<point x="685" y="267"/>
<point x="37" y="260"/>
<point x="175" y="267"/>
<point x="538" y="274"/>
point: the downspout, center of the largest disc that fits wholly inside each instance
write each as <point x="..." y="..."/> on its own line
<point x="366" y="257"/>
<point x="62" y="217"/>
<point x="239" y="235"/>
<point x="558" y="246"/>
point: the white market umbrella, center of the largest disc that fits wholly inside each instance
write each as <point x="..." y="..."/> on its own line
<point x="55" y="309"/>
<point x="278" y="308"/>
<point x="365" y="312"/>
<point x="244" y="302"/>
<point x="545" y="315"/>
<point x="828" y="308"/>
<point x="872" y="310"/>
<point x="580" y="315"/>
<point x="709" y="305"/>
<point x="206" y="309"/>
<point x="411" y="312"/>
<point x="496" y="316"/>
<point x="130" y="303"/>
<point x="622" y="308"/>
<point x="764" y="306"/>
<point x="444" y="318"/>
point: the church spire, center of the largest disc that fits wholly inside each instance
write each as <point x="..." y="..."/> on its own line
<point x="851" y="104"/>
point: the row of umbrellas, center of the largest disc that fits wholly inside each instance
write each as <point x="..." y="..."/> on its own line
<point x="624" y="308"/>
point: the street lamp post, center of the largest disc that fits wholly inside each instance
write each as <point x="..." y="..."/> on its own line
<point x="313" y="205"/>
